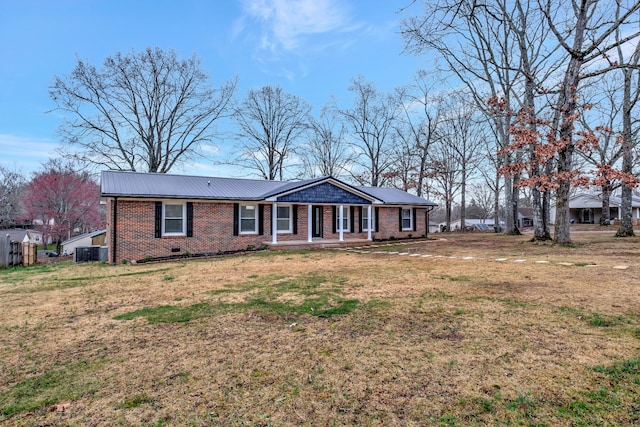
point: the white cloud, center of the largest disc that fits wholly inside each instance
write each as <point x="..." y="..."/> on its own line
<point x="210" y="149"/>
<point x="286" y="23"/>
<point x="25" y="153"/>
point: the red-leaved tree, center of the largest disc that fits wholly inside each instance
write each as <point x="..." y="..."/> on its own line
<point x="540" y="137"/>
<point x="61" y="202"/>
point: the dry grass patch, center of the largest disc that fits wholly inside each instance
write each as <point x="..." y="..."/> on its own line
<point x="324" y="337"/>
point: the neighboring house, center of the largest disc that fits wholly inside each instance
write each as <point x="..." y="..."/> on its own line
<point x="478" y="224"/>
<point x="160" y="215"/>
<point x="95" y="238"/>
<point x="434" y="227"/>
<point x="23" y="235"/>
<point x="586" y="208"/>
<point x="525" y="217"/>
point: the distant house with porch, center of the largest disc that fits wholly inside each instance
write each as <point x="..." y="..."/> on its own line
<point x="160" y="215"/>
<point x="586" y="208"/>
<point x="525" y="217"/>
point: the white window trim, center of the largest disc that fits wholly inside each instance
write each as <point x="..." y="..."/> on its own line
<point x="410" y="228"/>
<point x="279" y="218"/>
<point x="255" y="215"/>
<point x="365" y="225"/>
<point x="184" y="219"/>
<point x="345" y="217"/>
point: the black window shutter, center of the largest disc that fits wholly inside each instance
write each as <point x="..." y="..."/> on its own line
<point x="158" y="219"/>
<point x="360" y="209"/>
<point x="415" y="223"/>
<point x="189" y="219"/>
<point x="352" y="212"/>
<point x="399" y="219"/>
<point x="236" y="217"/>
<point x="334" y="219"/>
<point x="261" y="219"/>
<point x="376" y="216"/>
<point x="295" y="219"/>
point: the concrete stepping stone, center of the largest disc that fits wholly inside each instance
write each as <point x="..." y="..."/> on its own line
<point x="519" y="260"/>
<point x="566" y="263"/>
<point x="501" y="259"/>
<point x="426" y="256"/>
<point x="621" y="267"/>
<point x="542" y="262"/>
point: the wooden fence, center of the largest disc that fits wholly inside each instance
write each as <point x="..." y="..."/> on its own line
<point x="16" y="253"/>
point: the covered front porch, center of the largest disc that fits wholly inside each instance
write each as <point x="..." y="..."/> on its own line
<point x="340" y="218"/>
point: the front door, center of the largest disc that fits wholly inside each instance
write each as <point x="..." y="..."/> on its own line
<point x="316" y="219"/>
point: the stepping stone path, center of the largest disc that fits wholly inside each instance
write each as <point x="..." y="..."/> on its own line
<point x="365" y="250"/>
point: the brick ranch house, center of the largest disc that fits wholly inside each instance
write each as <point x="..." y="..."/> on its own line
<point x="152" y="215"/>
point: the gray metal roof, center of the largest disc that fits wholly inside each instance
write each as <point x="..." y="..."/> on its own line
<point x="159" y="185"/>
<point x="82" y="236"/>
<point x="135" y="184"/>
<point x="15" y="234"/>
<point x="394" y="196"/>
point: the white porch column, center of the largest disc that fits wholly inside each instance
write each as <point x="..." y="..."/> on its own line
<point x="369" y="223"/>
<point x="340" y="223"/>
<point x="274" y="223"/>
<point x="309" y="223"/>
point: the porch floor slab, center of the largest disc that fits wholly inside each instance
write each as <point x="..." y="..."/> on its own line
<point x="317" y="243"/>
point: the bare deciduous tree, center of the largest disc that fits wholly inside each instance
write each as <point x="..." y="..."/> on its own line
<point x="445" y="176"/>
<point x="142" y="111"/>
<point x="482" y="200"/>
<point x="12" y="185"/>
<point x="480" y="51"/>
<point x="371" y="120"/>
<point x="464" y="134"/>
<point x="270" y="121"/>
<point x="326" y="153"/>
<point x="416" y="131"/>
<point x="628" y="140"/>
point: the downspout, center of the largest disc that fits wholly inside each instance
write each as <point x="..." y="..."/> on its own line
<point x="115" y="224"/>
<point x="429" y="209"/>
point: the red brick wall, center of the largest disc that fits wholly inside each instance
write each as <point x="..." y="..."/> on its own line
<point x="213" y="230"/>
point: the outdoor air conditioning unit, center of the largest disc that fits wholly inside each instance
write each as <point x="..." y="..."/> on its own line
<point x="91" y="253"/>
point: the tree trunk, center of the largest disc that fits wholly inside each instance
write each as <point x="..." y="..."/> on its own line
<point x="515" y="201"/>
<point x="508" y="201"/>
<point x="605" y="218"/>
<point x="625" y="229"/>
<point x="540" y="227"/>
<point x="561" y="232"/>
<point x="463" y="201"/>
<point x="496" y="205"/>
<point x="447" y="204"/>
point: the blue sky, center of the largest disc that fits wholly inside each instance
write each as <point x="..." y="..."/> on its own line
<point x="312" y="48"/>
